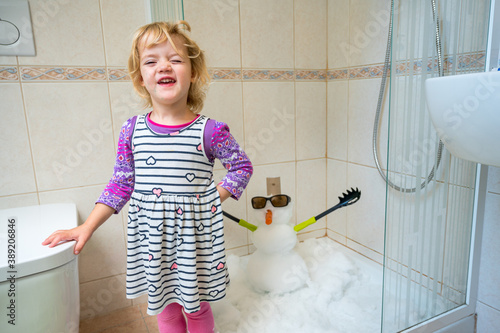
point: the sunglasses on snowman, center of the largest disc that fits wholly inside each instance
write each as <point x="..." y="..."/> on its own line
<point x="280" y="200"/>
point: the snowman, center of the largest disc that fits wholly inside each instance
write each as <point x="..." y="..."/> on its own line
<point x="275" y="266"/>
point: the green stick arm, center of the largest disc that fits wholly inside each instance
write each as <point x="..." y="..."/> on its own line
<point x="351" y="197"/>
<point x="241" y="222"/>
<point x="247" y="225"/>
<point x="304" y="224"/>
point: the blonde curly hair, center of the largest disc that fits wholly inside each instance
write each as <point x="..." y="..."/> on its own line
<point x="157" y="33"/>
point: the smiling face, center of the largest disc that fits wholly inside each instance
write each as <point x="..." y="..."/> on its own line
<point x="153" y="34"/>
<point x="166" y="74"/>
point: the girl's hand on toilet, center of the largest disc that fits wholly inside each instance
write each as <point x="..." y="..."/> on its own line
<point x="80" y="234"/>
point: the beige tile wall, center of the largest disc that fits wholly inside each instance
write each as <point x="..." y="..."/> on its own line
<point x="356" y="37"/>
<point x="16" y="160"/>
<point x="259" y="47"/>
<point x="70" y="132"/>
<point x="310" y="34"/>
<point x="66" y="33"/>
<point x="215" y="27"/>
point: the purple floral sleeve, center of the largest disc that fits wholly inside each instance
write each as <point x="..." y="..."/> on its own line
<point x="233" y="158"/>
<point x="120" y="187"/>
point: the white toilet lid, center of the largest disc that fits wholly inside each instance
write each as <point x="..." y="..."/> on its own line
<point x="33" y="225"/>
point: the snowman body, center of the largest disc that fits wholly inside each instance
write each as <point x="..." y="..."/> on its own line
<point x="275" y="266"/>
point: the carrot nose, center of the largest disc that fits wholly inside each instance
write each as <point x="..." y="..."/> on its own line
<point x="269" y="217"/>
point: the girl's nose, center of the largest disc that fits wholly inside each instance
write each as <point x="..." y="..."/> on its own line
<point x="165" y="66"/>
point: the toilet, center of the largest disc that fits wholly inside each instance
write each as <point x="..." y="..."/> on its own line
<point x="39" y="292"/>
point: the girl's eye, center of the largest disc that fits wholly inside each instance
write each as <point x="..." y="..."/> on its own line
<point x="149" y="62"/>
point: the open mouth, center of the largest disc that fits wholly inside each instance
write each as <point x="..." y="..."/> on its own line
<point x="166" y="81"/>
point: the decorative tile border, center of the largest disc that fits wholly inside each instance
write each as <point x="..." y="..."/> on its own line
<point x="61" y="73"/>
<point x="319" y="75"/>
<point x="366" y="72"/>
<point x="225" y="74"/>
<point x="338" y="74"/>
<point x="8" y="73"/>
<point x="461" y="63"/>
<point x="475" y="60"/>
<point x="118" y="74"/>
<point x="268" y="74"/>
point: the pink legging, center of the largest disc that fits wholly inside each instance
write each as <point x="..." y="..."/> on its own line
<point x="171" y="319"/>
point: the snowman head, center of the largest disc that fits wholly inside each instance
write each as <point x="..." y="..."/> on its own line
<point x="273" y="210"/>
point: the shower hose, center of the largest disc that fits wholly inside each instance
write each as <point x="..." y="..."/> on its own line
<point x="387" y="64"/>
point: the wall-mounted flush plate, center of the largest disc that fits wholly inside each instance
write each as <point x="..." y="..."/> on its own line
<point x="16" y="33"/>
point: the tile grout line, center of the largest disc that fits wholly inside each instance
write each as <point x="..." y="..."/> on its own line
<point x="30" y="143"/>
<point x="243" y="109"/>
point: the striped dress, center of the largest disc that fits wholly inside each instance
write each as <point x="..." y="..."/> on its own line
<point x="175" y="249"/>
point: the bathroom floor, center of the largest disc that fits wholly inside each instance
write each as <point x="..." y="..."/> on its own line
<point x="343" y="295"/>
<point x="129" y="320"/>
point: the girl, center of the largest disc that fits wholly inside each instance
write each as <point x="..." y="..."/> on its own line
<point x="175" y="250"/>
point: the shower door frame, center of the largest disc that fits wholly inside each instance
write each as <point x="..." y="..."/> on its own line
<point x="149" y="16"/>
<point x="469" y="308"/>
<point x="480" y="191"/>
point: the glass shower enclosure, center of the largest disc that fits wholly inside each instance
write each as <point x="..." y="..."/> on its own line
<point x="430" y="194"/>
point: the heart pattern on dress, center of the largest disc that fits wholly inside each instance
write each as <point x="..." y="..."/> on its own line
<point x="179" y="211"/>
<point x="157" y="191"/>
<point x="214" y="293"/>
<point x="174" y="266"/>
<point x="214" y="209"/>
<point x="201" y="227"/>
<point x="220" y="266"/>
<point x="190" y="177"/>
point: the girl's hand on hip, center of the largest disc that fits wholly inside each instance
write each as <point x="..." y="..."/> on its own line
<point x="223" y="193"/>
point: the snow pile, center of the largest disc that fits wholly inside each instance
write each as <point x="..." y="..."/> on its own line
<point x="342" y="294"/>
